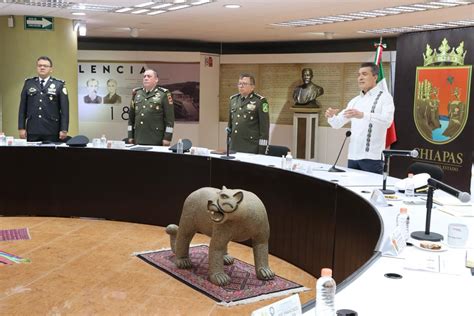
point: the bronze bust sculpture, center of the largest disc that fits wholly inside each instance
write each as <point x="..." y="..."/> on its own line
<point x="305" y="95"/>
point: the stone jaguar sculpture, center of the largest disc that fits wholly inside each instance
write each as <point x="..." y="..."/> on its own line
<point x="224" y="215"/>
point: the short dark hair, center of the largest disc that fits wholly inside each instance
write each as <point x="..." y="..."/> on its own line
<point x="307" y="69"/>
<point x="152" y="70"/>
<point x="373" y="67"/>
<point x="45" y="58"/>
<point x="247" y="75"/>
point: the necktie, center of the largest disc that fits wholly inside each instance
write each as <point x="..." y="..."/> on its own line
<point x="42" y="84"/>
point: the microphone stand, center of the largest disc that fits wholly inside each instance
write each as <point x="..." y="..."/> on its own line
<point x="333" y="168"/>
<point x="427" y="235"/>
<point x="386" y="168"/>
<point x="227" y="156"/>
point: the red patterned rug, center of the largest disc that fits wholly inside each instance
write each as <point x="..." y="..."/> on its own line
<point x="14" y="234"/>
<point x="244" y="288"/>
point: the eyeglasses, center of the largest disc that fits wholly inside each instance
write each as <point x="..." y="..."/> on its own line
<point x="43" y="66"/>
<point x="244" y="84"/>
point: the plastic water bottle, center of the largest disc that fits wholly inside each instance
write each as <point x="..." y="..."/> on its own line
<point x="179" y="146"/>
<point x="410" y="186"/>
<point x="103" y="142"/>
<point x="289" y="161"/>
<point x="325" y="294"/>
<point x="403" y="221"/>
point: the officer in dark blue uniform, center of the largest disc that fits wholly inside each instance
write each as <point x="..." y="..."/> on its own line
<point x="44" y="106"/>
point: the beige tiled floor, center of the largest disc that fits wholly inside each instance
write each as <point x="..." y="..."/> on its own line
<point x="85" y="267"/>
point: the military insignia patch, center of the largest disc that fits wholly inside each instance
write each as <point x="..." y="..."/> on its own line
<point x="265" y="107"/>
<point x="64" y="91"/>
<point x="251" y="106"/>
<point x="170" y="99"/>
<point x="52" y="86"/>
<point x="31" y="90"/>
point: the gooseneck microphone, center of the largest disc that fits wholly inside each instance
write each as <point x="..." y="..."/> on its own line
<point x="407" y="153"/>
<point x="462" y="196"/>
<point x="432" y="185"/>
<point x="228" y="132"/>
<point x="333" y="168"/>
<point x="386" y="164"/>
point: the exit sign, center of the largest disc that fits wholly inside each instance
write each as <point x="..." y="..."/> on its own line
<point x="39" y="23"/>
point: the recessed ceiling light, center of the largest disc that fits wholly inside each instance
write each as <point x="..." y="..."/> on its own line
<point x="161" y="6"/>
<point x="139" y="11"/>
<point x="78" y="13"/>
<point x="232" y="6"/>
<point x="144" y="4"/>
<point x="124" y="10"/>
<point x="179" y="7"/>
<point x="156" y="12"/>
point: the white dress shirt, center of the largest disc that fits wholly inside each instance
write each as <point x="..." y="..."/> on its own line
<point x="367" y="140"/>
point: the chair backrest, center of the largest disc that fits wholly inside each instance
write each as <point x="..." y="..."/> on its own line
<point x="434" y="171"/>
<point x="276" y="150"/>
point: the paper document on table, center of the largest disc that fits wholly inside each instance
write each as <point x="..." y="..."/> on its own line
<point x="458" y="211"/>
<point x="447" y="263"/>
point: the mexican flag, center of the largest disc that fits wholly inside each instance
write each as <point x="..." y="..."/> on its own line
<point x="382" y="83"/>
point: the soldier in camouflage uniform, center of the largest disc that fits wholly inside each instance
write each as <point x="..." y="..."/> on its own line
<point x="44" y="106"/>
<point x="249" y="121"/>
<point x="151" y="117"/>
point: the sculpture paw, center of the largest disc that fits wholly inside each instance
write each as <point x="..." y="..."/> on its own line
<point x="219" y="278"/>
<point x="183" y="263"/>
<point x="228" y="260"/>
<point x="265" y="273"/>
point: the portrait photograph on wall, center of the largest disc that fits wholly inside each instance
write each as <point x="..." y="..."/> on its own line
<point x="105" y="91"/>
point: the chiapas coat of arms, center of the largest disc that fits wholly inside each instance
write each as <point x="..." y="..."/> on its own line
<point x="443" y="84"/>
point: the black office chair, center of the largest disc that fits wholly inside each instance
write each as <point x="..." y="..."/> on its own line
<point x="276" y="151"/>
<point x="433" y="170"/>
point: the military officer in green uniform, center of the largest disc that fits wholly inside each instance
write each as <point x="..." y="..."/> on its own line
<point x="44" y="106"/>
<point x="151" y="119"/>
<point x="249" y="121"/>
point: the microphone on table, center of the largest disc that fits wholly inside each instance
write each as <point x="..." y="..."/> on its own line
<point x="386" y="164"/>
<point x="462" y="196"/>
<point x="432" y="185"/>
<point x="228" y="131"/>
<point x="333" y="168"/>
<point x="407" y="153"/>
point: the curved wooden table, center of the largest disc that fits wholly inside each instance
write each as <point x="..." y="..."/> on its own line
<point x="314" y="223"/>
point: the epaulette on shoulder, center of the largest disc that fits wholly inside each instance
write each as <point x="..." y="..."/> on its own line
<point x="135" y="90"/>
<point x="261" y="97"/>
<point x="163" y="89"/>
<point x="235" y="95"/>
<point x="62" y="81"/>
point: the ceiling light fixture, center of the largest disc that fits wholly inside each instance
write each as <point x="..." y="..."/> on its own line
<point x="161" y="6"/>
<point x="139" y="11"/>
<point x="232" y="6"/>
<point x="156" y="12"/>
<point x="361" y="15"/>
<point x="78" y="13"/>
<point x="179" y="7"/>
<point x="144" y="4"/>
<point x="124" y="10"/>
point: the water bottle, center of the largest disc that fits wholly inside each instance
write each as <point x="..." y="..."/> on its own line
<point x="289" y="161"/>
<point x="325" y="294"/>
<point x="410" y="186"/>
<point x="103" y="142"/>
<point x="403" y="221"/>
<point x="3" y="139"/>
<point x="179" y="146"/>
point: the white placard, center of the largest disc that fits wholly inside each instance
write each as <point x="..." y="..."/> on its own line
<point x="290" y="306"/>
